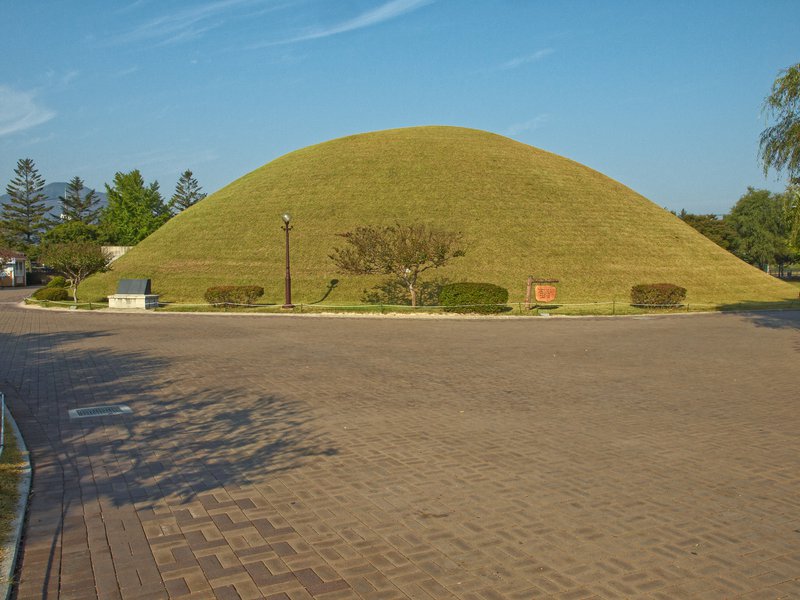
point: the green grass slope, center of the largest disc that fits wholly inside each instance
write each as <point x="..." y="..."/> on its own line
<point x="522" y="211"/>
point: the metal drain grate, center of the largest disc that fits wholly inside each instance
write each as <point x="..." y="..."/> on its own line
<point x="99" y="411"/>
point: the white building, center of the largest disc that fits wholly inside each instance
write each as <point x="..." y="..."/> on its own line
<point x="12" y="269"/>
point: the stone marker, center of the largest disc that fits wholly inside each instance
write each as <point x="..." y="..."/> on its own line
<point x="133" y="293"/>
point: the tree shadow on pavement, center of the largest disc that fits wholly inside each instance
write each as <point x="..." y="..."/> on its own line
<point x="182" y="438"/>
<point x="775" y="315"/>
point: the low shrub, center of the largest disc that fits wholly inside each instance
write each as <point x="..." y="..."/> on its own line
<point x="484" y="298"/>
<point x="233" y="294"/>
<point x="57" y="282"/>
<point x="248" y="294"/>
<point x="56" y="294"/>
<point x="393" y="292"/>
<point x="657" y="295"/>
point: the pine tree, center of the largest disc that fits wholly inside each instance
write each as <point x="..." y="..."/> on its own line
<point x="187" y="193"/>
<point x="77" y="205"/>
<point x="23" y="217"/>
<point x="134" y="210"/>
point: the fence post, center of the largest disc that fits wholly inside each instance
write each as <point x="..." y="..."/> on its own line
<point x="613" y="307"/>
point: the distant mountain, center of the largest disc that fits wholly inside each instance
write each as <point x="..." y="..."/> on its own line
<point x="52" y="191"/>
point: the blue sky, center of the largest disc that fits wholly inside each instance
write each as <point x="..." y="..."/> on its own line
<point x="662" y="96"/>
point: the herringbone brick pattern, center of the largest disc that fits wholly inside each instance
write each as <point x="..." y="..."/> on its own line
<point x="327" y="458"/>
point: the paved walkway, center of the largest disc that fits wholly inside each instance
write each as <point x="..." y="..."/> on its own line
<point x="329" y="458"/>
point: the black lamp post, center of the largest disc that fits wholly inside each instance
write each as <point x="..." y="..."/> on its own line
<point x="286" y="227"/>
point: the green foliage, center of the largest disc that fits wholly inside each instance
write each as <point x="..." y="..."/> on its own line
<point x="76" y="261"/>
<point x="79" y="205"/>
<point x="780" y="142"/>
<point x="187" y="193"/>
<point x="403" y="251"/>
<point x="657" y="295"/>
<point x="22" y="218"/>
<point x="56" y="294"/>
<point x="57" y="282"/>
<point x="759" y="221"/>
<point x="791" y="213"/>
<point x="71" y="231"/>
<point x="134" y="210"/>
<point x="233" y="294"/>
<point x="717" y="230"/>
<point x="395" y="293"/>
<point x="484" y="298"/>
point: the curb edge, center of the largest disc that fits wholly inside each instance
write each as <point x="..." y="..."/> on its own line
<point x="12" y="545"/>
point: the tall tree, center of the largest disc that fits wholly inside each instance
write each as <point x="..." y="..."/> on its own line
<point x="761" y="228"/>
<point x="79" y="205"/>
<point x="134" y="210"/>
<point x="402" y="251"/>
<point x="791" y="210"/>
<point x="780" y="141"/>
<point x="23" y="217"/>
<point x="187" y="193"/>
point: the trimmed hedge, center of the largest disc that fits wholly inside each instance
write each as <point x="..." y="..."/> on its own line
<point x="481" y="298"/>
<point x="56" y="294"/>
<point x="657" y="295"/>
<point x="57" y="282"/>
<point x="233" y="294"/>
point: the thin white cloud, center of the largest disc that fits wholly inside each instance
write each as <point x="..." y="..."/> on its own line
<point x="184" y="24"/>
<point x="126" y="72"/>
<point x="385" y="12"/>
<point x="20" y="110"/>
<point x="524" y="60"/>
<point x="530" y="125"/>
<point x="35" y="141"/>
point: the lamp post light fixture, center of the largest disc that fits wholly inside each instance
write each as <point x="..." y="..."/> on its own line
<point x="288" y="287"/>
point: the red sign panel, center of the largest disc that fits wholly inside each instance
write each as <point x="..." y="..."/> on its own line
<point x="545" y="293"/>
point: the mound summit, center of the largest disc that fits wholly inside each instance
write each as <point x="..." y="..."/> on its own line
<point x="523" y="211"/>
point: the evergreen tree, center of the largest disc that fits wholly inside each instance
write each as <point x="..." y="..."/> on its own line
<point x="187" y="193"/>
<point x="77" y="205"/>
<point x="134" y="210"/>
<point x="22" y="219"/>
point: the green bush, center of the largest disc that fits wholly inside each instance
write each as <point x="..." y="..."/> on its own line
<point x="484" y="298"/>
<point x="657" y="295"/>
<point x="393" y="292"/>
<point x="233" y="294"/>
<point x="57" y="282"/>
<point x="56" y="294"/>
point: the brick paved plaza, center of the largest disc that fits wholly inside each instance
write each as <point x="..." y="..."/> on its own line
<point x="327" y="458"/>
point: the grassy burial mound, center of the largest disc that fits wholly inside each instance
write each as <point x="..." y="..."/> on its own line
<point x="522" y="211"/>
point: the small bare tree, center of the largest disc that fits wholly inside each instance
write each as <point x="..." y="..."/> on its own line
<point x="403" y="251"/>
<point x="75" y="261"/>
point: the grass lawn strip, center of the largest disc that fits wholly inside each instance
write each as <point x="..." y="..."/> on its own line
<point x="14" y="486"/>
